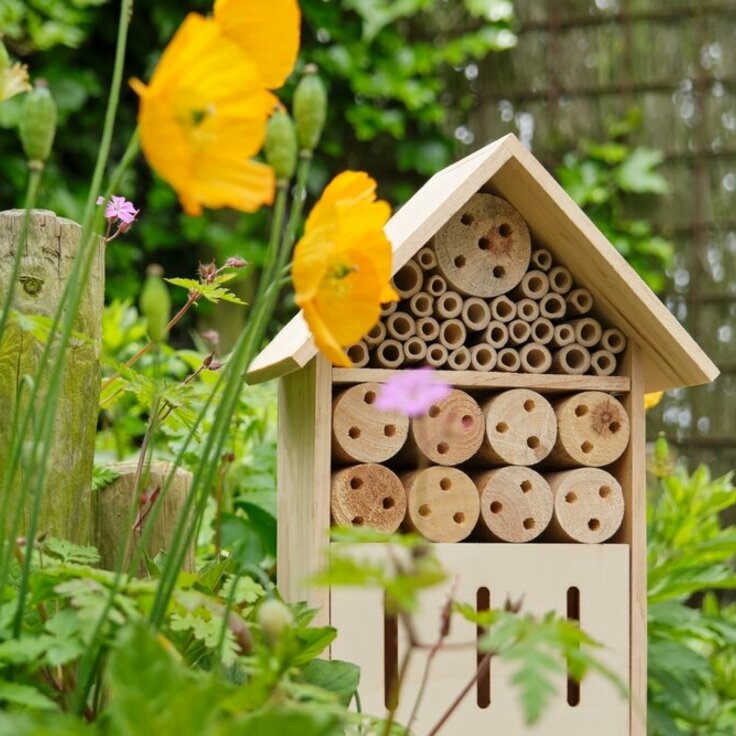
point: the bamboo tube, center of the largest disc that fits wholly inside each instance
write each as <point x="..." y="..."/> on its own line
<point x="516" y="504"/>
<point x="426" y="258"/>
<point x="376" y="335"/>
<point x="542" y="259"/>
<point x="428" y="328"/>
<point x="415" y="350"/>
<point x="542" y="331"/>
<point x="560" y="280"/>
<point x="436" y="285"/>
<point x="389" y="354"/>
<point x="408" y="280"/>
<point x="503" y="309"/>
<point x="482" y="357"/>
<point x="588" y="331"/>
<point x="452" y="430"/>
<point x="520" y="428"/>
<point x="563" y="335"/>
<point x="519" y="332"/>
<point x="552" y="306"/>
<point x="360" y="432"/>
<point x="533" y="285"/>
<point x="459" y="359"/>
<point x="388" y="308"/>
<point x="603" y="363"/>
<point x="442" y="503"/>
<point x="572" y="359"/>
<point x="437" y="355"/>
<point x="452" y="333"/>
<point x="400" y="326"/>
<point x="593" y="430"/>
<point x="476" y="313"/>
<point x="579" y="302"/>
<point x="449" y="305"/>
<point x="508" y="360"/>
<point x="613" y="340"/>
<point x="421" y="304"/>
<point x="368" y="495"/>
<point x="535" y="358"/>
<point x="358" y="354"/>
<point x="588" y="506"/>
<point x="484" y="249"/>
<point x="527" y="309"/>
<point x="496" y="334"/>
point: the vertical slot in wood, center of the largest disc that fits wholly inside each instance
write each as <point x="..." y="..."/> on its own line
<point x="573" y="614"/>
<point x="390" y="657"/>
<point x="483" y="683"/>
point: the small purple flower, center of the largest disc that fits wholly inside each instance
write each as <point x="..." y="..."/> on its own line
<point x="236" y="262"/>
<point x="119" y="208"/>
<point x="411" y="392"/>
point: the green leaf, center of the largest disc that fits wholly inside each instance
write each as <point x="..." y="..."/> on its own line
<point x="70" y="553"/>
<point x="289" y="720"/>
<point x="637" y="174"/>
<point x="341" y="678"/>
<point x="213" y="292"/>
<point x="14" y="693"/>
<point x="103" y="477"/>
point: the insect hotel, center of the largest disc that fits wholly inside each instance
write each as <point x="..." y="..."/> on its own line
<point x="529" y="477"/>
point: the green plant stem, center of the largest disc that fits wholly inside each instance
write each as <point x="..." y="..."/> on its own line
<point x="282" y="195"/>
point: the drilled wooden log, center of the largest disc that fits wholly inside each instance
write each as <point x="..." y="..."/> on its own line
<point x="113" y="514"/>
<point x="437" y="355"/>
<point x="533" y="285"/>
<point x="527" y="309"/>
<point x="563" y="335"/>
<point x="485" y="247"/>
<point x="508" y="360"/>
<point x="560" y="280"/>
<point x="579" y="302"/>
<point x="572" y="359"/>
<point x="519" y="332"/>
<point x="415" y="350"/>
<point x="541" y="259"/>
<point x="426" y="258"/>
<point x="358" y="354"/>
<point x="376" y="335"/>
<point x="515" y="504"/>
<point x="448" y="305"/>
<point x="442" y="504"/>
<point x="520" y="428"/>
<point x="496" y="334"/>
<point x="428" y="328"/>
<point x="542" y="331"/>
<point x="603" y="363"/>
<point x="552" y="306"/>
<point x="476" y="314"/>
<point x="421" y="304"/>
<point x="592" y="429"/>
<point x="389" y="354"/>
<point x="66" y="509"/>
<point x="482" y="357"/>
<point x="361" y="433"/>
<point x="459" y="359"/>
<point x="535" y="358"/>
<point x="588" y="506"/>
<point x="613" y="340"/>
<point x="588" y="331"/>
<point x="452" y="333"/>
<point x="452" y="430"/>
<point x="408" y="280"/>
<point x="368" y="495"/>
<point x="436" y="285"/>
<point x="400" y="326"/>
<point x="503" y="309"/>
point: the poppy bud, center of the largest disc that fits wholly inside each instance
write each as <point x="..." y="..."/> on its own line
<point x="281" y="146"/>
<point x="310" y="108"/>
<point x="274" y="618"/>
<point x="155" y="303"/>
<point x="38" y="123"/>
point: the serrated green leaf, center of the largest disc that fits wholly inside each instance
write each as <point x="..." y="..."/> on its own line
<point x="15" y="693"/>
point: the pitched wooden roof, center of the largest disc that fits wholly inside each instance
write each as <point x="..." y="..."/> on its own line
<point x="506" y="168"/>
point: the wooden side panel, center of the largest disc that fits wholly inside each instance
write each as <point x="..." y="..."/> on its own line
<point x="304" y="482"/>
<point x="539" y="575"/>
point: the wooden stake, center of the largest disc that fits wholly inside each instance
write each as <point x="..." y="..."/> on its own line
<point x="503" y="309"/>
<point x="442" y="503"/>
<point x="508" y="360"/>
<point x="560" y="280"/>
<point x="579" y="302"/>
<point x="436" y="285"/>
<point x="476" y="314"/>
<point x="588" y="331"/>
<point x="358" y="353"/>
<point x="459" y="359"/>
<point x="368" y="495"/>
<point x="376" y="335"/>
<point x="588" y="506"/>
<point x="563" y="335"/>
<point x="360" y="432"/>
<point x="552" y="306"/>
<point x="421" y="304"/>
<point x="593" y="430"/>
<point x="603" y="363"/>
<point x="389" y="354"/>
<point x="426" y="258"/>
<point x="496" y="334"/>
<point x="519" y="332"/>
<point x="542" y="331"/>
<point x="572" y="359"/>
<point x="449" y="305"/>
<point x="401" y="326"/>
<point x="613" y="340"/>
<point x="515" y="504"/>
<point x="520" y="428"/>
<point x="484" y="249"/>
<point x="541" y="259"/>
<point x="428" y="328"/>
<point x="527" y="309"/>
<point x="533" y="285"/>
<point x="452" y="333"/>
<point x="535" y="358"/>
<point x="415" y="350"/>
<point x="408" y="280"/>
<point x="437" y="355"/>
<point x="482" y="357"/>
<point x="113" y="514"/>
<point x="452" y="430"/>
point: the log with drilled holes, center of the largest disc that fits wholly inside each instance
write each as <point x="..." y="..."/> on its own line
<point x="515" y="504"/>
<point x="360" y="432"/>
<point x="520" y="428"/>
<point x="368" y="495"/>
<point x="451" y="432"/>
<point x="442" y="503"/>
<point x="592" y="429"/>
<point x="485" y="247"/>
<point x="588" y="506"/>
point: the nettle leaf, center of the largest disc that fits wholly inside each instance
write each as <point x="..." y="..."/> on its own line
<point x="213" y="292"/>
<point x="67" y="552"/>
<point x="207" y="629"/>
<point x="247" y="590"/>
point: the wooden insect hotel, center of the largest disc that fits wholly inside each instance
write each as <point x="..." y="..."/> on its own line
<point x="529" y="477"/>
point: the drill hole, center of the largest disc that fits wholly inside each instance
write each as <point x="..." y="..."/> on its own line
<point x="529" y="405"/>
<point x="369" y="397"/>
<point x="484" y="244"/>
<point x="356" y="483"/>
<point x="389" y="430"/>
<point x="358" y="521"/>
<point x="502" y="427"/>
<point x="496" y="507"/>
<point x="529" y="523"/>
<point x="445" y="484"/>
<point x="581" y="410"/>
<point x="526" y="486"/>
<point x="587" y="447"/>
<point x="604" y="491"/>
<point x="388" y="503"/>
<point x="498" y="272"/>
<point x="467" y="421"/>
<point x="354" y="433"/>
<point x="424" y="510"/>
<point x="459" y="262"/>
<point x="532" y="442"/>
<point x="570" y="497"/>
<point x="458" y="517"/>
<point x="614" y="427"/>
<point x="504" y="230"/>
<point x="594" y="525"/>
<point x="467" y="218"/>
<point x="443" y="448"/>
<point x="434" y="411"/>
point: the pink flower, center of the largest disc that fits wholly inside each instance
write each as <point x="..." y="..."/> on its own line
<point x="119" y="208"/>
<point x="235" y="262"/>
<point x="411" y="392"/>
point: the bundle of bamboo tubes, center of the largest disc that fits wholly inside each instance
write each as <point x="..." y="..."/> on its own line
<point x="479" y="297"/>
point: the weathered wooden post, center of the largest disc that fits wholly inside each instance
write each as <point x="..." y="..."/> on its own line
<point x="52" y="244"/>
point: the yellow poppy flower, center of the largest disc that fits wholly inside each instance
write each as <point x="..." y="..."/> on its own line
<point x="342" y="264"/>
<point x="267" y="31"/>
<point x="651" y="400"/>
<point x="203" y="116"/>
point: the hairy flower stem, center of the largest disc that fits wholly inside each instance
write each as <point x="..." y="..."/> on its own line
<point x="267" y="275"/>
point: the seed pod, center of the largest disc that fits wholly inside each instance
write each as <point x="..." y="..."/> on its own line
<point x="155" y="303"/>
<point x="310" y="108"/>
<point x="38" y="123"/>
<point x="281" y="145"/>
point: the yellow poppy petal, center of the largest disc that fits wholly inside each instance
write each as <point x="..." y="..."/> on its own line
<point x="268" y="32"/>
<point x="311" y="258"/>
<point x="651" y="400"/>
<point x="323" y="339"/>
<point x="349" y="187"/>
